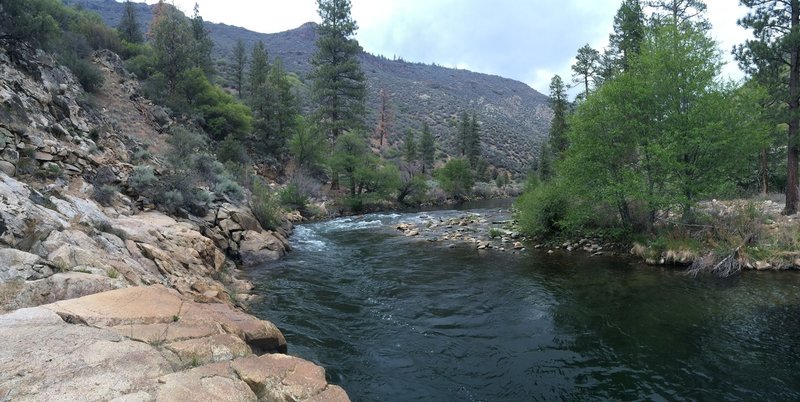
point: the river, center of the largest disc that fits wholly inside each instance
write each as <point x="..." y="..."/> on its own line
<point x="393" y="318"/>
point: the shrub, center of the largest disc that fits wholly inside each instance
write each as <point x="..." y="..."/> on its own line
<point x="143" y="180"/>
<point x="89" y="76"/>
<point x="264" y="206"/>
<point x="456" y="177"/>
<point x="229" y="188"/>
<point x="232" y="150"/>
<point x="172" y="200"/>
<point x="541" y="210"/>
<point x="104" y="194"/>
<point x="291" y="198"/>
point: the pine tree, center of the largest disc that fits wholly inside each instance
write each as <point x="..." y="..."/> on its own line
<point x="629" y="31"/>
<point x="239" y="64"/>
<point x="558" y="126"/>
<point x="464" y="134"/>
<point x="202" y="42"/>
<point x="773" y="58"/>
<point x="339" y="84"/>
<point x="427" y="148"/>
<point x="410" y="147"/>
<point x="585" y="67"/>
<point x="128" y="28"/>
<point x="259" y="66"/>
<point x="173" y="43"/>
<point x="474" y="150"/>
<point x="680" y="12"/>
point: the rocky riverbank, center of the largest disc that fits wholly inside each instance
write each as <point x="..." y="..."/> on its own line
<point x="118" y="301"/>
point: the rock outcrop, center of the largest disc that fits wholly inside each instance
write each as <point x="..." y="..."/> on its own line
<point x="133" y="304"/>
<point x="148" y="343"/>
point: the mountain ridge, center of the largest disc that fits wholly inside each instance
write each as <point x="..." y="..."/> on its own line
<point x="514" y="118"/>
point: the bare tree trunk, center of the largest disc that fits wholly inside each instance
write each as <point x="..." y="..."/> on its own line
<point x="794" y="120"/>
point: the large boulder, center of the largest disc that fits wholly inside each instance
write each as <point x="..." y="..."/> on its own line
<point x="258" y="248"/>
<point x="148" y="343"/>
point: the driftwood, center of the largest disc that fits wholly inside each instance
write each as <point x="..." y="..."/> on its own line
<point x="730" y="265"/>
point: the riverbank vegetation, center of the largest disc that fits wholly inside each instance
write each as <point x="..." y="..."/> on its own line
<point x="656" y="131"/>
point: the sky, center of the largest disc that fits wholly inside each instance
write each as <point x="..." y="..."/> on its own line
<point x="526" y="40"/>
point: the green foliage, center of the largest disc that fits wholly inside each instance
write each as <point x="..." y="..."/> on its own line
<point x="173" y="44"/>
<point x="202" y="43"/>
<point x="259" y="66"/>
<point x="232" y="150"/>
<point x="412" y="189"/>
<point x="143" y="180"/>
<point x="469" y="138"/>
<point x="221" y="114"/>
<point x="291" y="198"/>
<point x="275" y="110"/>
<point x="264" y="206"/>
<point x="541" y="210"/>
<point x="128" y="28"/>
<point x="229" y="188"/>
<point x="427" y="148"/>
<point x="339" y="84"/>
<point x="239" y="63"/>
<point x="456" y="177"/>
<point x="771" y="59"/>
<point x="586" y="67"/>
<point x="307" y="145"/>
<point x="410" y="147"/>
<point x="658" y="136"/>
<point x="626" y="40"/>
<point x="350" y="155"/>
<point x="558" y="125"/>
<point x="89" y="76"/>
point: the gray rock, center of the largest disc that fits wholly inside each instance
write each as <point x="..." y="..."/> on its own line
<point x="16" y="264"/>
<point x="8" y="168"/>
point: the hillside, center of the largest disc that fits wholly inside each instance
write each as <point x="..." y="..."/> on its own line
<point x="514" y="118"/>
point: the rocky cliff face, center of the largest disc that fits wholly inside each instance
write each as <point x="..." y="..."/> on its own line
<point x="128" y="271"/>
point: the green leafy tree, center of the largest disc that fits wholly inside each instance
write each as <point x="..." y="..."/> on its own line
<point x="239" y="65"/>
<point x="558" y="125"/>
<point x="544" y="166"/>
<point x="307" y="145"/>
<point x="456" y="177"/>
<point x="129" y="29"/>
<point x="349" y="157"/>
<point x="30" y="20"/>
<point x="585" y="68"/>
<point x="773" y="59"/>
<point x="427" y="148"/>
<point x="654" y="135"/>
<point x="339" y="84"/>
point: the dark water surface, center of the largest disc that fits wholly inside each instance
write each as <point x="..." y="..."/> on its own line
<point x="394" y="319"/>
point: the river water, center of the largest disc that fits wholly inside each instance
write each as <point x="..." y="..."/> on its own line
<point x="393" y="318"/>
